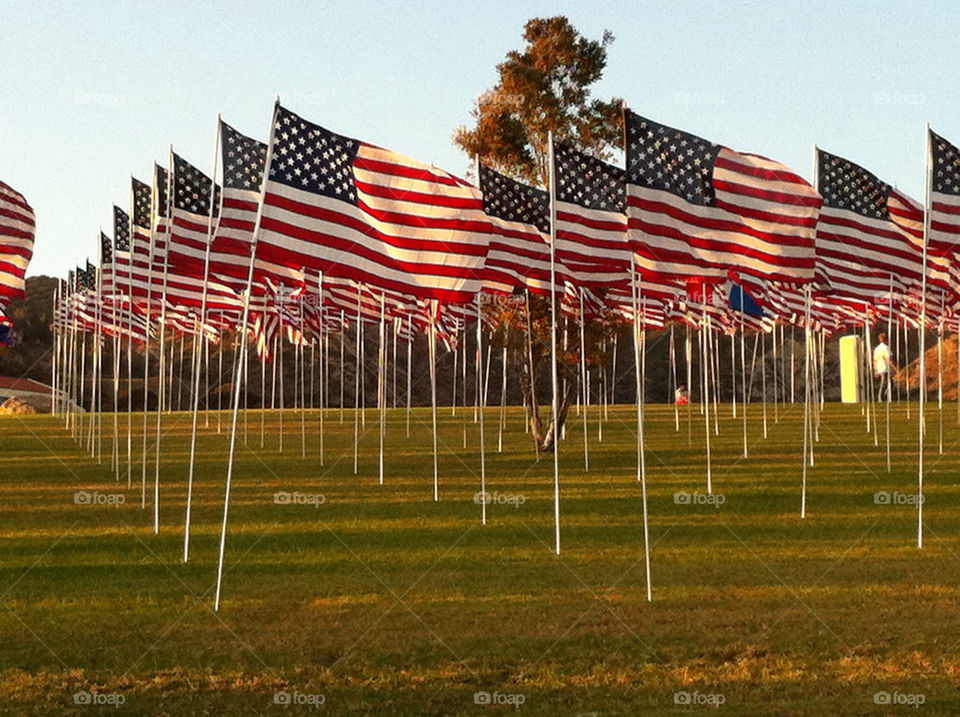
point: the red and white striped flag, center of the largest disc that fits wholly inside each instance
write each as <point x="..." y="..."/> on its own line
<point x="698" y="209"/>
<point x="944" y="239"/>
<point x="243" y="160"/>
<point x="870" y="235"/>
<point x="17" y="230"/>
<point x="353" y="210"/>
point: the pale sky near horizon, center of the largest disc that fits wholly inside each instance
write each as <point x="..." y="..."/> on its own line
<point x="96" y="91"/>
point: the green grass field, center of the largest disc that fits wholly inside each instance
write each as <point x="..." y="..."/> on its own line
<point x="376" y="599"/>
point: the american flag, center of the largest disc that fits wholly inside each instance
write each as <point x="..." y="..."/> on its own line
<point x="869" y="235"/>
<point x="141" y="199"/>
<point x="698" y="209"/>
<point x="591" y="226"/>
<point x="243" y="161"/>
<point x="117" y="275"/>
<point x="191" y="219"/>
<point x="519" y="252"/>
<point x="17" y="229"/>
<point x="350" y="209"/>
<point x="106" y="250"/>
<point x="944" y="198"/>
<point x="592" y="241"/>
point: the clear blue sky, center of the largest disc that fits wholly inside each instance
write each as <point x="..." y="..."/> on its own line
<point x="93" y="92"/>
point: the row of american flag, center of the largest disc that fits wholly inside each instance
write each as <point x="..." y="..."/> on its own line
<point x="315" y="227"/>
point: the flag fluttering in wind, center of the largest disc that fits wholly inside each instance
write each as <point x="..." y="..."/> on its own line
<point x="870" y="235"/>
<point x="195" y="205"/>
<point x="944" y="239"/>
<point x="519" y="252"/>
<point x="353" y="210"/>
<point x="17" y="229"/>
<point x="698" y="209"/>
<point x="243" y="162"/>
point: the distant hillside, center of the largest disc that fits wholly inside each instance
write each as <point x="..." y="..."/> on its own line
<point x="910" y="375"/>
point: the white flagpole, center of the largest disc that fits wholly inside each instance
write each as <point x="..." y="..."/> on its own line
<point x="242" y="333"/>
<point x="583" y="380"/>
<point x="356" y="392"/>
<point x="733" y="370"/>
<point x="743" y="372"/>
<point x="889" y="379"/>
<point x="343" y="332"/>
<point x="433" y="397"/>
<point x="763" y="378"/>
<point x="639" y="355"/>
<point x="555" y="398"/>
<point x="395" y="324"/>
<point x="672" y="388"/>
<point x="806" y="406"/>
<point x="382" y="380"/>
<point x="503" y="402"/>
<point x="705" y="398"/>
<point x="409" y="367"/>
<point x="922" y="332"/>
<point x="940" y="370"/>
<point x="198" y="344"/>
<point x="163" y="319"/>
<point x="453" y="400"/>
<point x="483" y="454"/>
<point x="323" y="363"/>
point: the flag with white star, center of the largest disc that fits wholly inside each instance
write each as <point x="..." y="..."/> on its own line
<point x="350" y="209"/>
<point x="196" y="201"/>
<point x="945" y="197"/>
<point x="870" y="235"/>
<point x="519" y="253"/>
<point x="106" y="250"/>
<point x="698" y="209"/>
<point x="591" y="224"/>
<point x="243" y="161"/>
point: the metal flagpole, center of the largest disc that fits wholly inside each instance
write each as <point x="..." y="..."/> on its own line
<point x="382" y="380"/>
<point x="672" y="388"/>
<point x="923" y="325"/>
<point x="743" y="373"/>
<point x="763" y="378"/>
<point x="555" y="398"/>
<point x="303" y="399"/>
<point x="198" y="329"/>
<point x="776" y="403"/>
<point x="356" y="394"/>
<point x="483" y="454"/>
<point x="409" y="367"/>
<point x="323" y="362"/>
<point x="395" y="323"/>
<point x="236" y="391"/>
<point x="503" y="401"/>
<point x="342" y="342"/>
<point x="453" y="400"/>
<point x="433" y="396"/>
<point x="463" y="383"/>
<point x="583" y="381"/>
<point x="887" y="382"/>
<point x="639" y="356"/>
<point x="806" y="406"/>
<point x="940" y="369"/>
<point x="705" y="392"/>
<point x="163" y="319"/>
<point x="733" y="371"/>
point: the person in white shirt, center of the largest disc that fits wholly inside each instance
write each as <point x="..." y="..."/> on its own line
<point x="882" y="367"/>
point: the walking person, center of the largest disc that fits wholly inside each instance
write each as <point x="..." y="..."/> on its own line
<point x="882" y="367"/>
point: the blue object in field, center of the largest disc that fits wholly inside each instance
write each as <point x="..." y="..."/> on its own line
<point x="7" y="335"/>
<point x="740" y="300"/>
